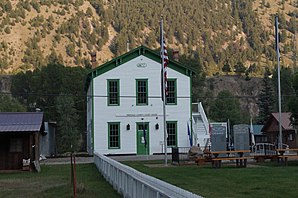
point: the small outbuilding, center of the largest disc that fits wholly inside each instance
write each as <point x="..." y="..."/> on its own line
<point x="271" y="130"/>
<point x="19" y="139"/>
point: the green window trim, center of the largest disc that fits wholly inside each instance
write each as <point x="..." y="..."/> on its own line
<point x="141" y="92"/>
<point x="114" y="135"/>
<point x="113" y="92"/>
<point x="171" y="98"/>
<point x="172" y="134"/>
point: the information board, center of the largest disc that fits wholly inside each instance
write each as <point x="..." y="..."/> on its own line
<point x="218" y="133"/>
<point x="241" y="137"/>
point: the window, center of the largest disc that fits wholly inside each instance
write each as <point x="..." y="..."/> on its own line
<point x="172" y="93"/>
<point x="114" y="135"/>
<point x="113" y="92"/>
<point x="142" y="92"/>
<point x="172" y="134"/>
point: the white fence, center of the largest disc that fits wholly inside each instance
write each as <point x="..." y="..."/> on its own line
<point x="134" y="184"/>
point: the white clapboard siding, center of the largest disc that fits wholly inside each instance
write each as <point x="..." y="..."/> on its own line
<point x="129" y="113"/>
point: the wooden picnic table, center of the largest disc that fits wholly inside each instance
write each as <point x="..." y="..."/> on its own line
<point x="283" y="157"/>
<point x="241" y="160"/>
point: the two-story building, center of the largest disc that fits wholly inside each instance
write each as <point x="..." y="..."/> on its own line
<point x="125" y="109"/>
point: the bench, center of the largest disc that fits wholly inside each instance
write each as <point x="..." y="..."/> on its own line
<point x="284" y="159"/>
<point x="283" y="156"/>
<point x="238" y="155"/>
<point x="240" y="161"/>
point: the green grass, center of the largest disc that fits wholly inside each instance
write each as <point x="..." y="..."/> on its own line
<point x="266" y="180"/>
<point x="54" y="181"/>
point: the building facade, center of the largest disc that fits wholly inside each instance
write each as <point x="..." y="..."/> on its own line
<point x="124" y="106"/>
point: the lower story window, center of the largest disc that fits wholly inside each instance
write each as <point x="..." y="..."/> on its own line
<point x="114" y="135"/>
<point x="172" y="134"/>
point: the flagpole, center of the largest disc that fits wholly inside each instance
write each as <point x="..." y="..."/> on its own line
<point x="279" y="88"/>
<point x="163" y="94"/>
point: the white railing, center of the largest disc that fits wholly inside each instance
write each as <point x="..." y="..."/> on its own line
<point x="204" y="117"/>
<point x="133" y="184"/>
<point x="266" y="148"/>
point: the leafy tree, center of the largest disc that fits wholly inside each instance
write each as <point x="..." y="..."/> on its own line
<point x="41" y="88"/>
<point x="225" y="107"/>
<point x="9" y="104"/>
<point x="266" y="99"/>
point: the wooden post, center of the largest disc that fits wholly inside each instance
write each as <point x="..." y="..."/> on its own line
<point x="74" y="177"/>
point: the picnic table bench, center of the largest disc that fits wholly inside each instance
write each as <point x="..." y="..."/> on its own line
<point x="241" y="160"/>
<point x="283" y="157"/>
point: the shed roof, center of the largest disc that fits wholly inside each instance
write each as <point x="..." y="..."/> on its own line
<point x="21" y="121"/>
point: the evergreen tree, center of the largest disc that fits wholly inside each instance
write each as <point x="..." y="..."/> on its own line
<point x="226" y="68"/>
<point x="225" y="107"/>
<point x="265" y="101"/>
<point x="240" y="68"/>
<point x="67" y="118"/>
<point x="293" y="102"/>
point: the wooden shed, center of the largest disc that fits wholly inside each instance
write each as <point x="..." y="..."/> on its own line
<point x="19" y="139"/>
<point x="271" y="130"/>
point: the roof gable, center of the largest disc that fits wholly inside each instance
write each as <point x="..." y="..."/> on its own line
<point x="273" y="122"/>
<point x="21" y="121"/>
<point x="142" y="50"/>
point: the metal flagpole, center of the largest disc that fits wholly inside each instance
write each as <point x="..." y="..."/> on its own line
<point x="279" y="88"/>
<point x="163" y="93"/>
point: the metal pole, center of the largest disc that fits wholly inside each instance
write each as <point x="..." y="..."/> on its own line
<point x="164" y="93"/>
<point x="279" y="88"/>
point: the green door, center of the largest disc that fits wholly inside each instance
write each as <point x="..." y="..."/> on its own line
<point x="142" y="139"/>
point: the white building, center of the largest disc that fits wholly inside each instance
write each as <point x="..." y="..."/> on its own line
<point x="124" y="106"/>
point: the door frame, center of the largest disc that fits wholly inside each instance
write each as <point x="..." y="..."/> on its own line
<point x="147" y="138"/>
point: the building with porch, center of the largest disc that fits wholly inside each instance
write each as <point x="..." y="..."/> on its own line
<point x="125" y="109"/>
<point x="19" y="138"/>
<point x="271" y="130"/>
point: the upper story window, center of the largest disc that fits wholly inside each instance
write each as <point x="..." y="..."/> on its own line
<point x="172" y="92"/>
<point x="142" y="91"/>
<point x="113" y="93"/>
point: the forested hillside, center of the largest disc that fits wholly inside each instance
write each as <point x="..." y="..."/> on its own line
<point x="34" y="33"/>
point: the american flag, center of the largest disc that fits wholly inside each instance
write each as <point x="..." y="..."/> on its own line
<point x="165" y="61"/>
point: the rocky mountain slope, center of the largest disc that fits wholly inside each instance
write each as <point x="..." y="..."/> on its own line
<point x="34" y="33"/>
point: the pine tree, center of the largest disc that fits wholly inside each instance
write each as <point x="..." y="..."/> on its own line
<point x="226" y="68"/>
<point x="265" y="101"/>
<point x="68" y="134"/>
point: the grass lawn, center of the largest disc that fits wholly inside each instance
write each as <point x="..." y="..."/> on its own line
<point x="54" y="181"/>
<point x="262" y="180"/>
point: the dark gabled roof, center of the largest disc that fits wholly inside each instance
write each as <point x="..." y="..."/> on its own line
<point x="142" y="50"/>
<point x="21" y="121"/>
<point x="274" y="117"/>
